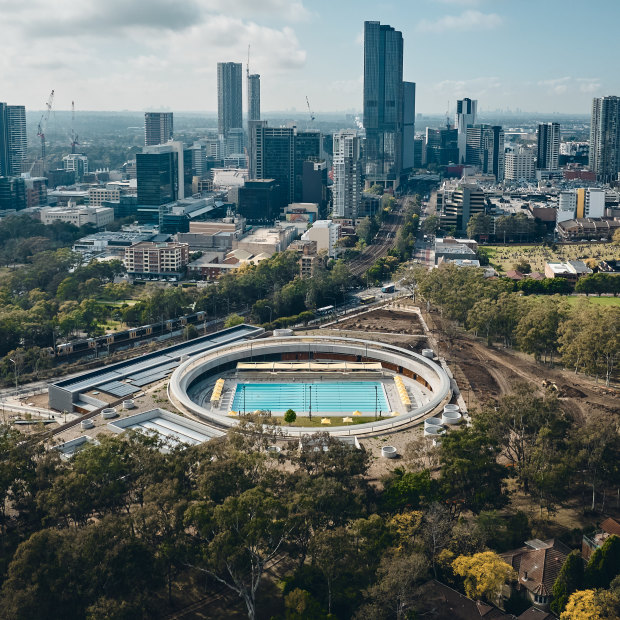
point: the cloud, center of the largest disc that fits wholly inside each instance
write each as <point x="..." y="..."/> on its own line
<point x="563" y="85"/>
<point x="285" y="10"/>
<point x="461" y="2"/>
<point x="467" y="20"/>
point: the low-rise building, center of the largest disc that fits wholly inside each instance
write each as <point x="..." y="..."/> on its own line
<point x="78" y="215"/>
<point x="571" y="270"/>
<point x="326" y="233"/>
<point x="587" y="228"/>
<point x="308" y="256"/>
<point x="267" y="240"/>
<point x="207" y="267"/>
<point x="98" y="195"/>
<point x="592" y="542"/>
<point x="537" y="564"/>
<point x="113" y="243"/>
<point x="151" y="259"/>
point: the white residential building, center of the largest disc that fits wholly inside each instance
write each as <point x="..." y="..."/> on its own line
<point x="326" y="233"/>
<point x="519" y="164"/>
<point x="347" y="189"/>
<point x="567" y="206"/>
<point x="594" y="202"/>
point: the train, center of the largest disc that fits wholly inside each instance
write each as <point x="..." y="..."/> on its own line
<point x="125" y="339"/>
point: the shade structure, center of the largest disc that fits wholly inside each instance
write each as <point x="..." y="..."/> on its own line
<point x="325" y="421"/>
<point x="347" y="420"/>
<point x="356" y="412"/>
<point x="232" y="413"/>
<point x="394" y="413"/>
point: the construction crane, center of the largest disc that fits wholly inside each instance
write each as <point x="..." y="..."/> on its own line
<point x="74" y="136"/>
<point x="43" y="124"/>
<point x="312" y="117"/>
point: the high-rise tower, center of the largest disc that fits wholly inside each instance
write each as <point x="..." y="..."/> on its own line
<point x="158" y="128"/>
<point x="548" y="153"/>
<point x="466" y="116"/>
<point x="605" y="138"/>
<point x="229" y="97"/>
<point x="13" y="139"/>
<point x="383" y="103"/>
<point x="347" y="189"/>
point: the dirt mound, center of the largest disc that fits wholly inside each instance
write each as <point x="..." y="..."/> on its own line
<point x="569" y="391"/>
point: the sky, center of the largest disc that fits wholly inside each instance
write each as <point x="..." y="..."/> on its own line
<point x="533" y="55"/>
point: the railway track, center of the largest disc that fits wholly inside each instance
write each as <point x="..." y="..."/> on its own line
<point x="385" y="240"/>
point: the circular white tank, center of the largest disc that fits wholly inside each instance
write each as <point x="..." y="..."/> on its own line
<point x="108" y="412"/>
<point x="274" y="449"/>
<point x="282" y="332"/>
<point x="428" y="353"/>
<point x="129" y="404"/>
<point x="433" y="431"/>
<point x="451" y="408"/>
<point x="84" y="424"/>
<point x="432" y="422"/>
<point x="389" y="452"/>
<point x="451" y="417"/>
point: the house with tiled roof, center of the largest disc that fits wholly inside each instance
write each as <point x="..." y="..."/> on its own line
<point x="537" y="565"/>
<point x="592" y="542"/>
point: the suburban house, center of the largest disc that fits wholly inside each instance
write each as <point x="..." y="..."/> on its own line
<point x="592" y="542"/>
<point x="537" y="565"/>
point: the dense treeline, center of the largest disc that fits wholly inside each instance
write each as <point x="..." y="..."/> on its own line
<point x="584" y="335"/>
<point x="123" y="528"/>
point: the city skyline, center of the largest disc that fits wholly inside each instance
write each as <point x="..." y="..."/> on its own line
<point x="88" y="55"/>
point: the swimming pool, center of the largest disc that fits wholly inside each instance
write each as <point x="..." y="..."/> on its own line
<point x="337" y="397"/>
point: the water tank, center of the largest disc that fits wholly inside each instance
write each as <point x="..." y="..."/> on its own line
<point x="108" y="412"/>
<point x="274" y="449"/>
<point x="84" y="424"/>
<point x="433" y="431"/>
<point x="282" y="332"/>
<point x="451" y="417"/>
<point x="129" y="404"/>
<point x="432" y="422"/>
<point x="428" y="353"/>
<point x="389" y="452"/>
<point x="451" y="408"/>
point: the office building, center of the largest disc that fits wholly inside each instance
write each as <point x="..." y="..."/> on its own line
<point x="604" y="157"/>
<point x="229" y="97"/>
<point x="260" y="201"/>
<point x="307" y="148"/>
<point x="275" y="159"/>
<point x="590" y="202"/>
<point x="485" y="149"/>
<point x="466" y="116"/>
<point x="77" y="164"/>
<point x="158" y="128"/>
<point x="98" y="195"/>
<point x="13" y="139"/>
<point x="519" y="164"/>
<point x="36" y="191"/>
<point x="12" y="193"/>
<point x="441" y="146"/>
<point x="347" y="188"/>
<point x="456" y="204"/>
<point x="408" y="125"/>
<point x="314" y="184"/>
<point x="78" y="215"/>
<point x="548" y="155"/>
<point x="156" y="259"/>
<point x="383" y="104"/>
<point x="164" y="173"/>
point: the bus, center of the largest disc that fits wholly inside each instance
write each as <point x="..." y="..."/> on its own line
<point x="324" y="310"/>
<point x="368" y="299"/>
<point x="388" y="288"/>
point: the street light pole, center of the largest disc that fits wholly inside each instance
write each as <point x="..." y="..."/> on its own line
<point x="270" y="313"/>
<point x="14" y="364"/>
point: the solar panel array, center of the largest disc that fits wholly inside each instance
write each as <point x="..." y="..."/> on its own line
<point x="118" y="389"/>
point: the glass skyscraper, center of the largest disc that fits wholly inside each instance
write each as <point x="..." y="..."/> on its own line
<point x="383" y="104"/>
<point x="13" y="140"/>
<point x="229" y="97"/>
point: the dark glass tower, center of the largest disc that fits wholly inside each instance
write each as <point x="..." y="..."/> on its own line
<point x="383" y="103"/>
<point x="13" y="140"/>
<point x="158" y="128"/>
<point x="229" y="97"/>
<point x="275" y="159"/>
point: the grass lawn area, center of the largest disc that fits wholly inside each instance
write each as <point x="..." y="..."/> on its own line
<point x="593" y="299"/>
<point x="316" y="420"/>
<point x="503" y="257"/>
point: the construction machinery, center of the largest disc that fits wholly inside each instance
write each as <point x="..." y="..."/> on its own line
<point x="43" y="124"/>
<point x="74" y="136"/>
<point x="312" y="116"/>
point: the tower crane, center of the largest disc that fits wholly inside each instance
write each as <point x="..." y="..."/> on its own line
<point x="312" y="117"/>
<point x="74" y="136"/>
<point x="43" y="124"/>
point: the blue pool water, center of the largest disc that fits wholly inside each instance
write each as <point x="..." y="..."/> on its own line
<point x="337" y="397"/>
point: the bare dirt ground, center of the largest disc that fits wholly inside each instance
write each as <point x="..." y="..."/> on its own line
<point x="387" y="321"/>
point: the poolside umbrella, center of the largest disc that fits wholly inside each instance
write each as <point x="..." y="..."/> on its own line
<point x="325" y="421"/>
<point x="232" y="413"/>
<point x="347" y="420"/>
<point x="356" y="412"/>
